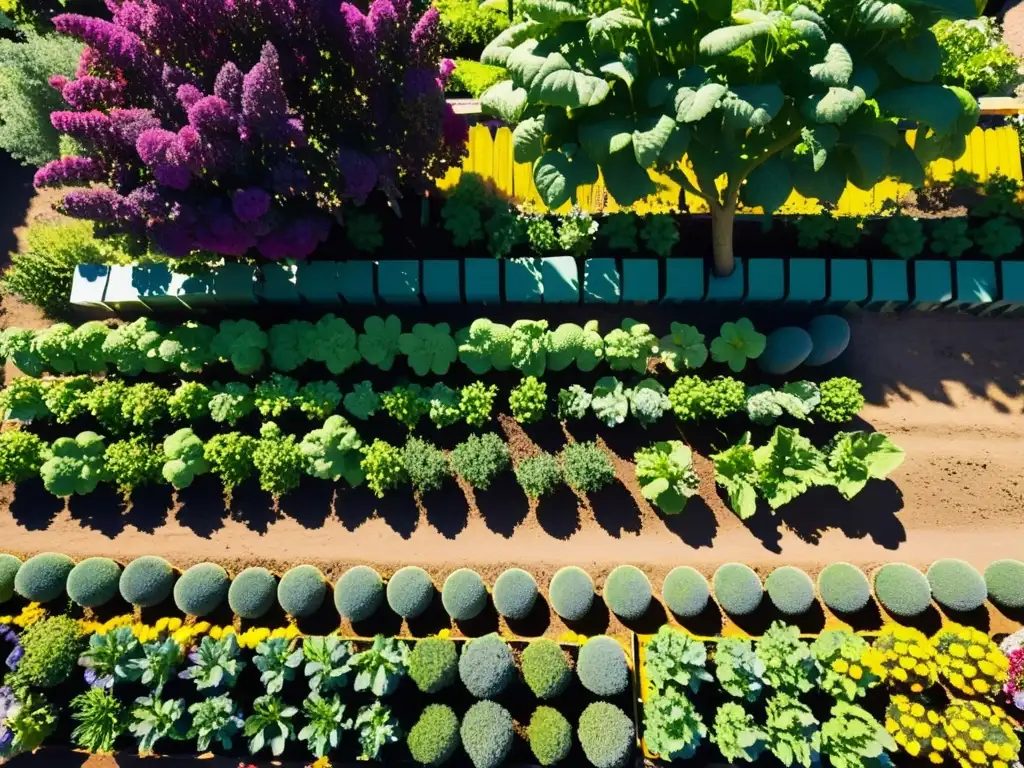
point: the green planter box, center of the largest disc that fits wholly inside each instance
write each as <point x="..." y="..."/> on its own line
<point x="889" y="289"/>
<point x="640" y="280"/>
<point x="398" y="282"/>
<point x="318" y="282"/>
<point x="684" y="280"/>
<point x="441" y="281"/>
<point x="848" y="282"/>
<point x="976" y="286"/>
<point x="933" y="284"/>
<point x="88" y="286"/>
<point x="523" y="281"/>
<point x="806" y="281"/>
<point x="602" y="283"/>
<point x="122" y="293"/>
<point x="728" y="288"/>
<point x="1012" y="300"/>
<point x="356" y="281"/>
<point x="560" y="279"/>
<point x="279" y="284"/>
<point x="481" y="281"/>
<point x="766" y="280"/>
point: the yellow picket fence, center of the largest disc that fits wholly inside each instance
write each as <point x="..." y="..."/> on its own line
<point x="989" y="151"/>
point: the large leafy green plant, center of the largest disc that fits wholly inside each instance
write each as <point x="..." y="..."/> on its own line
<point x="672" y="726"/>
<point x="270" y="724"/>
<point x="736" y="734"/>
<point x="665" y="472"/>
<point x="793" y="734"/>
<point x="857" y="457"/>
<point x="107" y="659"/>
<point x="789" y="665"/>
<point x="381" y="666"/>
<point x="736" y="471"/>
<point x="215" y="719"/>
<point x="377" y="728"/>
<point x="277" y="659"/>
<point x="325" y="721"/>
<point x="327" y="662"/>
<point x="153" y="719"/>
<point x="765" y="96"/>
<point x="101" y="719"/>
<point x="852" y="738"/>
<point x="676" y="660"/>
<point x="215" y="664"/>
<point x="787" y="466"/>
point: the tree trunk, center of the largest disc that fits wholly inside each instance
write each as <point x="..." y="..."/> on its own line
<point x="722" y="219"/>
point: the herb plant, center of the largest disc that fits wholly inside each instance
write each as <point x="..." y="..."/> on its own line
<point x="381" y="667"/>
<point x="214" y="720"/>
<point x="528" y="400"/>
<point x="270" y="724"/>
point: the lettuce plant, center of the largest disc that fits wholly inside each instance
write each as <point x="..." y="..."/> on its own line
<point x="528" y="340"/>
<point x="787" y="466"/>
<point x="362" y="402"/>
<point x="276" y="658"/>
<point x="841" y="399"/>
<point x="673" y="729"/>
<point x="214" y="664"/>
<point x="443" y="404"/>
<point x="241" y="343"/>
<point x="739" y="670"/>
<point x="333" y="451"/>
<point x="570" y="343"/>
<point x="904" y="236"/>
<point x="430" y="348"/>
<point x="73" y="465"/>
<point x="648" y="402"/>
<point x="153" y="719"/>
<point x="573" y="402"/>
<point x="333" y="342"/>
<point x="998" y="237"/>
<point x="528" y="400"/>
<point x="383" y="467"/>
<point x="610" y="401"/>
<point x="736" y="734"/>
<point x="156" y="664"/>
<point x="666" y="476"/>
<point x="736" y="471"/>
<point x="189" y="347"/>
<point x="476" y="401"/>
<point x="949" y="237"/>
<point x="275" y="395"/>
<point x="793" y="734"/>
<point x="620" y="231"/>
<point x="676" y="661"/>
<point x="270" y="724"/>
<point x="576" y="232"/>
<point x="737" y="343"/>
<point x="856" y="457"/>
<point x="629" y="347"/>
<point x="185" y="458"/>
<point x="215" y="719"/>
<point x="379" y="342"/>
<point x="231" y="403"/>
<point x="135" y="347"/>
<point x="318" y="399"/>
<point x="21" y="455"/>
<point x="484" y="345"/>
<point x="683" y="348"/>
<point x="404" y="404"/>
<point x="381" y="667"/>
<point x="189" y="402"/>
<point x="107" y="658"/>
<point x="852" y="737"/>
<point x="288" y="344"/>
<point x="278" y="459"/>
<point x="64" y="398"/>
<point x="798" y="399"/>
<point x="229" y="455"/>
<point x="24" y="398"/>
<point x="132" y="463"/>
<point x="789" y="665"/>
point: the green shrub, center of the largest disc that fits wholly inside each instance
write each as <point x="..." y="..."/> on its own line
<point x="464" y="594"/>
<point x="602" y="667"/>
<point x="539" y="475"/>
<point x="93" y="582"/>
<point x="252" y="593"/>
<point x="685" y="592"/>
<point x="841" y="399"/>
<point x="479" y="459"/>
<point x="301" y="591"/>
<point x="1004" y="580"/>
<point x="902" y="590"/>
<point x="147" y="581"/>
<point x="359" y="593"/>
<point x="487" y="734"/>
<point x="587" y="468"/>
<point x="627" y="592"/>
<point x="410" y="591"/>
<point x="528" y="400"/>
<point x="435" y="736"/>
<point x="433" y="664"/>
<point x="571" y="593"/>
<point x="737" y="589"/>
<point x="486" y="667"/>
<point x="9" y="566"/>
<point x="42" y="578"/>
<point x="474" y="78"/>
<point x="425" y="465"/>
<point x="550" y="735"/>
<point x="476" y="401"/>
<point x="20" y="455"/>
<point x="975" y="56"/>
<point x="790" y="590"/>
<point x="515" y="593"/>
<point x="545" y="668"/>
<point x="467" y="28"/>
<point x="384" y="467"/>
<point x="957" y="585"/>
<point x="606" y="735"/>
<point x="844" y="588"/>
<point x="51" y="648"/>
<point x="201" y="589"/>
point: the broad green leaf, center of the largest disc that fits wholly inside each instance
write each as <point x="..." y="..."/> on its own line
<point x="970" y="110"/>
<point x="808" y="31"/>
<point x="865" y="78"/>
<point x="650" y="140"/>
<point x="769" y="185"/>
<point x="752" y="106"/>
<point x="693" y="105"/>
<point x="660" y="91"/>
<point x="499" y="49"/>
<point x="625" y="68"/>
<point x="504" y="100"/>
<point x="868" y="161"/>
<point x="675" y="147"/>
<point x="600" y="139"/>
<point x="528" y="140"/>
<point x="550" y="79"/>
<point x="557" y="177"/>
<point x="857" y="457"/>
<point x="836" y="68"/>
<point x="724" y="41"/>
<point x="614" y="26"/>
<point x="933" y="105"/>
<point x="905" y="166"/>
<point x="917" y="59"/>
<point x="684" y="348"/>
<point x="878" y="14"/>
<point x="803" y="13"/>
<point x="552" y="11"/>
<point x="950" y="9"/>
<point x="826" y="184"/>
<point x="787" y="466"/>
<point x="836" y="106"/>
<point x="736" y="471"/>
<point x="882" y="455"/>
<point x="626" y="181"/>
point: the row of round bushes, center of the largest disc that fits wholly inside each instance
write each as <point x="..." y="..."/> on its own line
<point x="147" y="581"/>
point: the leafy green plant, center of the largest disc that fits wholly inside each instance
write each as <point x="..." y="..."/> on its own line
<point x="231" y="402"/>
<point x="21" y="455"/>
<point x="381" y="667"/>
<point x="676" y="661"/>
<point x="278" y="459"/>
<point x="798" y="399"/>
<point x="288" y="344"/>
<point x="546" y="671"/>
<point x="949" y="237"/>
<point x="683" y="348"/>
<point x="135" y="347"/>
<point x="841" y="399"/>
<point x="648" y="402"/>
<point x="620" y="231"/>
<point x="479" y="459"/>
<point x="156" y="664"/>
<point x="904" y="236"/>
<point x="443" y="404"/>
<point x="433" y="664"/>
<point x="334" y="343"/>
<point x="333" y="452"/>
<point x="214" y="720"/>
<point x="789" y="666"/>
<point x="571" y="343"/>
<point x="576" y="232"/>
<point x="362" y="402"/>
<point x="404" y="404"/>
<point x="378" y="344"/>
<point x="104" y="403"/>
<point x="189" y="402"/>
<point x="24" y="398"/>
<point x="540" y="233"/>
<point x="736" y="734"/>
<point x="688" y="397"/>
<point x="363" y="230"/>
<point x="673" y="729"/>
<point x="241" y="343"/>
<point x="659" y="233"/>
<point x="573" y="402"/>
<point x="318" y="399"/>
<point x="425" y="465"/>
<point x="101" y="720"/>
<point x="430" y="348"/>
<point x="723" y="396"/>
<point x="628" y="348"/>
<point x="30" y="719"/>
<point x="214" y="664"/>
<point x="188" y="347"/>
<point x="787" y="466"/>
<point x="666" y="476"/>
<point x="738" y="668"/>
<point x="528" y="400"/>
<point x="606" y="734"/>
<point x="106" y="659"/>
<point x="186" y="458"/>
<point x="275" y="395"/>
<point x="852" y="737"/>
<point x="737" y="343"/>
<point x="434" y="737"/>
<point x="528" y="346"/>
<point x="856" y="457"/>
<point x="476" y="401"/>
<point x="539" y="475"/>
<point x="610" y="401"/>
<point x="998" y="237"/>
<point x="325" y="723"/>
<point x="975" y="56"/>
<point x="153" y="720"/>
<point x="839" y="652"/>
<point x="586" y="467"/>
<point x="814" y="230"/>
<point x="73" y="465"/>
<point x="229" y="455"/>
<point x="793" y="734"/>
<point x="474" y="78"/>
<point x="270" y="724"/>
<point x="276" y="658"/>
<point x="486" y="666"/>
<point x="377" y="728"/>
<point x="736" y="471"/>
<point x="383" y="467"/>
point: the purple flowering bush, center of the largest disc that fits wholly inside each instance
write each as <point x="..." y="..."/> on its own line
<point x="1014" y="688"/>
<point x="228" y="125"/>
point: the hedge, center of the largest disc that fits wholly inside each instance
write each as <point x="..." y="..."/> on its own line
<point x="93" y="582"/>
<point x="464" y="594"/>
<point x="42" y="578"/>
<point x="435" y="735"/>
<point x="685" y="592"/>
<point x="433" y="664"/>
<point x="844" y="588"/>
<point x="359" y="593"/>
<point x="957" y="585"/>
<point x="903" y="590"/>
<point x="147" y="581"/>
<point x="790" y="590"/>
<point x="201" y="589"/>
<point x="515" y="593"/>
<point x="252" y="593"/>
<point x="627" y="592"/>
<point x="410" y="591"/>
<point x="9" y="566"/>
<point x="606" y="734"/>
<point x="486" y="666"/>
<point x="572" y="593"/>
<point x="1004" y="580"/>
<point x="738" y="589"/>
<point x="602" y="667"/>
<point x="487" y="734"/>
<point x="550" y="735"/>
<point x="301" y="591"/>
<point x="545" y="669"/>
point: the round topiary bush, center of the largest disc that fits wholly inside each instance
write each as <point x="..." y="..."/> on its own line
<point x="515" y="593"/>
<point x="433" y="664"/>
<point x="902" y="589"/>
<point x="957" y="585"/>
<point x="545" y="668"/>
<point x="486" y="734"/>
<point x="93" y="582"/>
<point x="737" y="589"/>
<point x="147" y="581"/>
<point x="606" y="735"/>
<point x="790" y="590"/>
<point x="550" y="735"/>
<point x="464" y="594"/>
<point x="252" y="593"/>
<point x="201" y="589"/>
<point x="435" y="736"/>
<point x="1004" y="580"/>
<point x="685" y="592"/>
<point x="41" y="579"/>
<point x="9" y="566"/>
<point x="359" y="593"/>
<point x="627" y="592"/>
<point x="571" y="593"/>
<point x="410" y="591"/>
<point x="844" y="588"/>
<point x="602" y="666"/>
<point x="486" y="666"/>
<point x="301" y="591"/>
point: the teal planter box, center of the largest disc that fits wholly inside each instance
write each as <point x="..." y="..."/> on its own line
<point x="560" y="280"/>
<point x="317" y="282"/>
<point x="728" y="288"/>
<point x="398" y="282"/>
<point x="122" y="293"/>
<point x="88" y="286"/>
<point x="848" y="283"/>
<point x="356" y="281"/>
<point x="766" y="280"/>
<point x="976" y="286"/>
<point x="806" y="281"/>
<point x="602" y="283"/>
<point x="481" y="281"/>
<point x="198" y="291"/>
<point x="933" y="284"/>
<point x="684" y="280"/>
<point x="279" y="284"/>
<point x="640" y="280"/>
<point x="523" y="281"/>
<point x="441" y="282"/>
<point x="889" y="290"/>
<point x="1013" y="286"/>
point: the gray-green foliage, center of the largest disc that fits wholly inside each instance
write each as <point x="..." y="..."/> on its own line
<point x="787" y="659"/>
<point x="627" y="591"/>
<point x="545" y="668"/>
<point x="380" y="667"/>
<point x="214" y="719"/>
<point x="215" y="663"/>
<point x="486" y="734"/>
<point x="154" y="719"/>
<point x="325" y="722"/>
<point x="606" y="734"/>
<point x="276" y="658"/>
<point x="327" y="662"/>
<point x="587" y="468"/>
<point x="738" y="668"/>
<point x="675" y="660"/>
<point x="480" y="458"/>
<point x="736" y="734"/>
<point x="792" y="729"/>
<point x="601" y="666"/>
<point x="486" y="666"/>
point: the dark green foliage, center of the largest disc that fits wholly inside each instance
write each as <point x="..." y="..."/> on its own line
<point x="515" y="593"/>
<point x="359" y="593"/>
<point x="606" y="734"/>
<point x="790" y="590"/>
<point x="841" y="399"/>
<point x="410" y="591"/>
<point x="627" y="592"/>
<point x="1004" y="580"/>
<point x="550" y="735"/>
<point x="147" y="581"/>
<point x="487" y="734"/>
<point x="435" y="736"/>
<point x="433" y="664"/>
<point x="479" y="459"/>
<point x="473" y="77"/>
<point x="201" y="589"/>
<point x="539" y="475"/>
<point x="252" y="593"/>
<point x="602" y="667"/>
<point x="957" y="585"/>
<point x="486" y="667"/>
<point x="425" y="464"/>
<point x="467" y="28"/>
<point x="685" y="591"/>
<point x="571" y="593"/>
<point x="9" y="566"/>
<point x="132" y="463"/>
<point x="844" y="588"/>
<point x="301" y="591"/>
<point x="902" y="589"/>
<point x="737" y="589"/>
<point x="464" y="594"/>
<point x="42" y="578"/>
<point x="51" y="647"/>
<point x="545" y="668"/>
<point x="93" y="582"/>
<point x="587" y="468"/>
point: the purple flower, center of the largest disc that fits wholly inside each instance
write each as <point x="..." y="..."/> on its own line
<point x="188" y="95"/>
<point x="211" y="114"/>
<point x="360" y="174"/>
<point x="96" y="204"/>
<point x="58" y="82"/>
<point x="148" y="202"/>
<point x="295" y="240"/>
<point x="128" y="124"/>
<point x="229" y="85"/>
<point x="445" y="70"/>
<point x="426" y="35"/>
<point x="289" y="179"/>
<point x="92" y="93"/>
<point x="14" y="657"/>
<point x="122" y="48"/>
<point x="91" y="126"/>
<point x="70" y="171"/>
<point x="88" y="62"/>
<point x="153" y="144"/>
<point x="6" y="737"/>
<point x="224" y="234"/>
<point x="1014" y="687"/>
<point x="187" y="150"/>
<point x="264" y="104"/>
<point x="357" y="37"/>
<point x="249" y="204"/>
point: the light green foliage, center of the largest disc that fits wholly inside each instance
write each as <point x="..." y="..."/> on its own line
<point x="949" y="237"/>
<point x="101" y="720"/>
<point x="430" y="348"/>
<point x="31" y="723"/>
<point x="902" y="589"/>
<point x="363" y="230"/>
<point x="515" y="593"/>
<point x="666" y="476"/>
<point x="464" y="594"/>
<point x="147" y="581"/>
<point x="383" y="467"/>
<point x="789" y="666"/>
<point x="739" y="670"/>
<point x="586" y="467"/>
<point x="628" y="348"/>
<point x="856" y="457"/>
<point x="673" y="729"/>
<point x="528" y="400"/>
<point x="956" y="585"/>
<point x="425" y="465"/>
<point x="975" y="56"/>
<point x="476" y="401"/>
<point x="153" y="720"/>
<point x="737" y="343"/>
<point x="797" y="399"/>
<point x="270" y="724"/>
<point x="660" y="233"/>
<point x="241" y="343"/>
<point x="144" y="405"/>
<point x="904" y="236"/>
<point x="571" y="593"/>
<point x="64" y="398"/>
<point x="676" y="661"/>
<point x="540" y="233"/>
<point x="16" y="345"/>
<point x="157" y="663"/>
<point x="358" y="593"/>
<point x="189" y="347"/>
<point x="736" y="734"/>
<point x="214" y="720"/>
<point x="606" y="734"/>
<point x="738" y="589"/>
<point x="576" y="232"/>
<point x="20" y="455"/>
<point x="841" y="399"/>
<point x="229" y="455"/>
<point x="275" y="395"/>
<point x="410" y="591"/>
<point x="185" y="458"/>
<point x="51" y="647"/>
<point x="627" y="592"/>
<point x="24" y="398"/>
<point x="318" y="399"/>
<point x="61" y="348"/>
<point x="844" y="588"/>
<point x="539" y="475"/>
<point x="550" y="735"/>
<point x="479" y="459"/>
<point x="610" y="401"/>
<point x="546" y="671"/>
<point x="189" y="402"/>
<point x="998" y="237"/>
<point x="473" y="77"/>
<point x="528" y="341"/>
<point x="852" y="737"/>
<point x="433" y="664"/>
<point x="288" y="344"/>
<point x="93" y="582"/>
<point x="620" y="230"/>
<point x="333" y="452"/>
<point x="573" y="402"/>
<point x="570" y="343"/>
<point x="73" y="465"/>
<point x="467" y="27"/>
<point x="231" y="403"/>
<point x="1004" y="580"/>
<point x="685" y="591"/>
<point x="201" y="589"/>
<point x="135" y="347"/>
<point x="104" y="403"/>
<point x="435" y="735"/>
<point x="790" y="590"/>
<point x="648" y="402"/>
<point x="276" y="658"/>
<point x="793" y="735"/>
<point x="683" y="348"/>
<point x="278" y="459"/>
<point x="404" y="404"/>
<point x="377" y="728"/>
<point x="486" y="734"/>
<point x="736" y="471"/>
<point x="215" y="664"/>
<point x="333" y="342"/>
<point x="378" y="344"/>
<point x="486" y="666"/>
<point x="362" y="402"/>
<point x="327" y="662"/>
<point x="301" y="591"/>
<point x="787" y="466"/>
<point x="688" y="398"/>
<point x="842" y="645"/>
<point x="484" y="345"/>
<point x="443" y="402"/>
<point x="325" y="722"/>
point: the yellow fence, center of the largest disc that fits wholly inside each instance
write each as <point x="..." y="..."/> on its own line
<point x="988" y="151"/>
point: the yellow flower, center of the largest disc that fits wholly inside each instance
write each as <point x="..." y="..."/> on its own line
<point x="957" y="680"/>
<point x="1007" y="752"/>
<point x="900" y="738"/>
<point x="201" y="627"/>
<point x="907" y="721"/>
<point x="939" y="743"/>
<point x="840" y="666"/>
<point x="916" y="688"/>
<point x="935" y="758"/>
<point x="977" y="756"/>
<point x="970" y="670"/>
<point x="957" y="650"/>
<point x="990" y="749"/>
<point x="917" y="709"/>
<point x="161" y="623"/>
<point x="215" y="633"/>
<point x="960" y="744"/>
<point x="900" y="674"/>
<point x="891" y="725"/>
<point x="856" y="672"/>
<point x="960" y="724"/>
<point x="174" y="624"/>
<point x="227" y="631"/>
<point x="903" y="704"/>
<point x="999" y="764"/>
<point x="988" y="668"/>
<point x="922" y="730"/>
<point x="913" y="748"/>
<point x="976" y="652"/>
<point x="922" y="670"/>
<point x="981" y="686"/>
<point x="907" y="663"/>
<point x="976" y="733"/>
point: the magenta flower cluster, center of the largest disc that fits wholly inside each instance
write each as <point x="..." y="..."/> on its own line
<point x="1014" y="687"/>
<point x="232" y="125"/>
